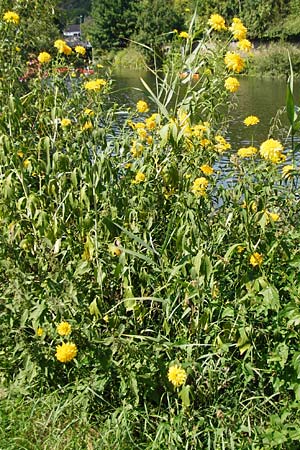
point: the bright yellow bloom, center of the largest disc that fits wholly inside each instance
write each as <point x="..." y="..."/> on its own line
<point x="26" y="163"/>
<point x="95" y="85"/>
<point x="199" y="186"/>
<point x="11" y="17"/>
<point x="244" y="45"/>
<point x="271" y="150"/>
<point x="18" y="49"/>
<point x="231" y="84"/>
<point x="64" y="328"/>
<point x="274" y="216"/>
<point x="206" y="169"/>
<point x="247" y="152"/>
<point x="44" y="57"/>
<point x="251" y="120"/>
<point x="234" y="62"/>
<point x="80" y="50"/>
<point x="256" y="259"/>
<point x="184" y="35"/>
<point x="139" y="178"/>
<point x="87" y="126"/>
<point x="67" y="50"/>
<point x="217" y="22"/>
<point x="39" y="331"/>
<point x="142" y="133"/>
<point x="59" y="44"/>
<point x="238" y="30"/>
<point x="176" y="375"/>
<point x="65" y="122"/>
<point x="286" y="170"/>
<point x="222" y="145"/>
<point x="136" y="149"/>
<point x="88" y="112"/>
<point x="20" y="153"/>
<point x="142" y="107"/>
<point x="66" y="352"/>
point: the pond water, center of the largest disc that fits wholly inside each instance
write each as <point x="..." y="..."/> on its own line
<point x="264" y="98"/>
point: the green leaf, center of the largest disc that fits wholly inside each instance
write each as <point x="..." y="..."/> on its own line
<point x="184" y="394"/>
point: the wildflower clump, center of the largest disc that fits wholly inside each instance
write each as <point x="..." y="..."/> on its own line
<point x="176" y="375"/>
<point x="271" y="150"/>
<point x="256" y="259"/>
<point x="239" y="31"/>
<point x="80" y="50"/>
<point x="64" y="328"/>
<point x="199" y="186"/>
<point x="251" y="120"/>
<point x="234" y="62"/>
<point x="140" y="177"/>
<point x="44" y="57"/>
<point x="217" y="22"/>
<point x="11" y="17"/>
<point x="95" y="85"/>
<point x="231" y="84"/>
<point x="142" y="106"/>
<point x="66" y="352"/>
<point x="247" y="152"/>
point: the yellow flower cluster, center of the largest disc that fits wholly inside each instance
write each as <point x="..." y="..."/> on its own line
<point x="245" y="45"/>
<point x="136" y="149"/>
<point x="256" y="259"/>
<point x="139" y="178"/>
<point x="238" y="30"/>
<point x="66" y="352"/>
<point x="206" y="169"/>
<point x="65" y="122"/>
<point x="11" y="17"/>
<point x="64" y="328"/>
<point x="222" y="145"/>
<point x="199" y="186"/>
<point x="62" y="47"/>
<point x="217" y="22"/>
<point x="80" y="50"/>
<point x="95" y="85"/>
<point x="176" y="375"/>
<point x="271" y="150"/>
<point x="142" y="106"/>
<point x="247" y="152"/>
<point x="231" y="84"/>
<point x="251" y="120"/>
<point x="234" y="62"/>
<point x="184" y="35"/>
<point x="44" y="58"/>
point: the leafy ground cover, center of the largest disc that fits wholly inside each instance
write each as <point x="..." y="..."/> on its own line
<point x="147" y="300"/>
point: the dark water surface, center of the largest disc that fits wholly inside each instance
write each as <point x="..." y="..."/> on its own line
<point x="264" y="98"/>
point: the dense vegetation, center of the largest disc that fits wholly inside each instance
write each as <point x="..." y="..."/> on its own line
<point x="149" y="299"/>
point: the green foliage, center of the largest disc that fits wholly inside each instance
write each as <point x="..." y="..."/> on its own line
<point x="273" y="60"/>
<point x="122" y="223"/>
<point x="130" y="58"/>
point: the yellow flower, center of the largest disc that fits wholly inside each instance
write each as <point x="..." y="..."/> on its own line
<point x="234" y="62"/>
<point x="184" y="35"/>
<point x="18" y="49"/>
<point x="11" y="17"/>
<point x="142" y="106"/>
<point x="59" y="44"/>
<point x="114" y="250"/>
<point x="95" y="85"/>
<point x="139" y="178"/>
<point x="256" y="259"/>
<point x="26" y="163"/>
<point x="80" y="50"/>
<point x="142" y="133"/>
<point x="222" y="145"/>
<point x="271" y="150"/>
<point x="244" y="45"/>
<point x="99" y="66"/>
<point x="87" y="126"/>
<point x="199" y="186"/>
<point x="231" y="84"/>
<point x="274" y="216"/>
<point x="39" y="331"/>
<point x="136" y="149"/>
<point x="65" y="122"/>
<point x="206" y="169"/>
<point x="66" y="352"/>
<point x="88" y="112"/>
<point x="176" y="375"/>
<point x="21" y="154"/>
<point x="247" y="152"/>
<point x="217" y="22"/>
<point x="44" y="57"/>
<point x="286" y="170"/>
<point x="238" y="30"/>
<point x="64" y="328"/>
<point x="251" y="120"/>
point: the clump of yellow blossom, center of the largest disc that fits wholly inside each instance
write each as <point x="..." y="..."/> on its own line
<point x="256" y="259"/>
<point x="271" y="150"/>
<point x="272" y="215"/>
<point x="139" y="178"/>
<point x="176" y="375"/>
<point x="251" y="120"/>
<point x="87" y="126"/>
<point x="66" y="352"/>
<point x="245" y="45"/>
<point x="199" y="186"/>
<point x="136" y="149"/>
<point x="65" y="122"/>
<point x="247" y="152"/>
<point x="184" y="35"/>
<point x="44" y="57"/>
<point x="231" y="84"/>
<point x="64" y="328"/>
<point x="11" y="17"/>
<point x="222" y="145"/>
<point x="59" y="44"/>
<point x="217" y="22"/>
<point x="238" y="30"/>
<point x="206" y="169"/>
<point x="95" y="85"/>
<point x="88" y="112"/>
<point x="142" y="107"/>
<point x="80" y="50"/>
<point x="39" y="331"/>
<point x="234" y="62"/>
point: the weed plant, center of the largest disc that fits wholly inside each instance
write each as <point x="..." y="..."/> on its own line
<point x="144" y="303"/>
